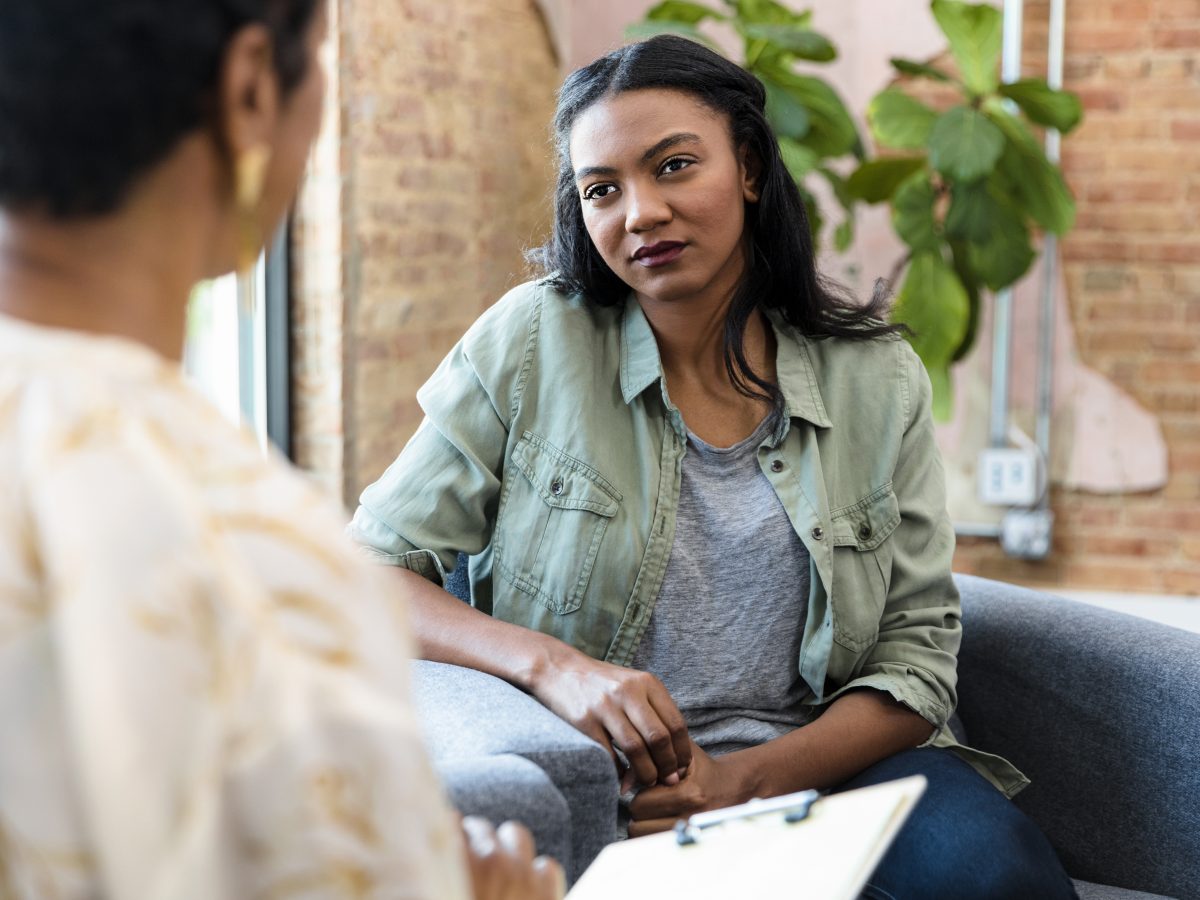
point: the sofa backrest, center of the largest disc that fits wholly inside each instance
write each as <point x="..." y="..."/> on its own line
<point x="1102" y="711"/>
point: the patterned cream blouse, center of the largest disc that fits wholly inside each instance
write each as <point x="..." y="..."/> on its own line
<point x="203" y="692"/>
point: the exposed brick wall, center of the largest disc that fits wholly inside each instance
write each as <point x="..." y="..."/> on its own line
<point x="448" y="163"/>
<point x="318" y="411"/>
<point x="1132" y="265"/>
<point x="434" y="180"/>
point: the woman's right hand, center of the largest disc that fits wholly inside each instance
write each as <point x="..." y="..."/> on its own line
<point x="503" y="867"/>
<point x="618" y="708"/>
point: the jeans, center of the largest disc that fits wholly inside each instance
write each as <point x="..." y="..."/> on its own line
<point x="964" y="840"/>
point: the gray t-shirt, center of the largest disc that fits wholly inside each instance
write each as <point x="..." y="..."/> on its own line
<point x="725" y="633"/>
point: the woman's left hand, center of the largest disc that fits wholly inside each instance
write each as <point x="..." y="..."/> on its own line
<point x="710" y="783"/>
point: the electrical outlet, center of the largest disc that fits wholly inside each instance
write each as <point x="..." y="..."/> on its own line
<point x="1027" y="533"/>
<point x="1008" y="477"/>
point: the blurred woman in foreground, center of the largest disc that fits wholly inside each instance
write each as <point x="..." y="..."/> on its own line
<point x="203" y="693"/>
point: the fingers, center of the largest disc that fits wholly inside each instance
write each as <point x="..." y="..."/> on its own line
<point x="516" y="841"/>
<point x="657" y="739"/>
<point x="551" y="879"/>
<point x="670" y="715"/>
<point x="626" y="736"/>
<point x="503" y="866"/>
<point x="660" y="803"/>
<point x="650" y="826"/>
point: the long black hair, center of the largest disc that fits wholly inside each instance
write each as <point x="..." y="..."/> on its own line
<point x="94" y="93"/>
<point x="781" y="272"/>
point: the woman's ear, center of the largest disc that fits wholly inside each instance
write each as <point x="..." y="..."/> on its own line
<point x="248" y="101"/>
<point x="751" y="167"/>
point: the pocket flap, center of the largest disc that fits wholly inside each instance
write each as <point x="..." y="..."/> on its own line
<point x="867" y="523"/>
<point x="563" y="481"/>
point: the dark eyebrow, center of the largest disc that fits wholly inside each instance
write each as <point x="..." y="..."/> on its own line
<point x="683" y="137"/>
<point x="673" y="140"/>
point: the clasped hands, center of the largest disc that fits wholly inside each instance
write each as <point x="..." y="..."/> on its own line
<point x="631" y="711"/>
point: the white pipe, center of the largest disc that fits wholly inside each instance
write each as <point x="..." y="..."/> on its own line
<point x="1014" y="14"/>
<point x="1045" y="386"/>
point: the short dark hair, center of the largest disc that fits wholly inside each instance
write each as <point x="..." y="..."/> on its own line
<point x="781" y="274"/>
<point x="94" y="93"/>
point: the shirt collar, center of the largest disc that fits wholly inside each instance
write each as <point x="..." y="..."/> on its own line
<point x="641" y="366"/>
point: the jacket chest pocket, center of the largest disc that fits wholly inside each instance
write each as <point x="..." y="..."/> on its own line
<point x="554" y="511"/>
<point x="862" y="563"/>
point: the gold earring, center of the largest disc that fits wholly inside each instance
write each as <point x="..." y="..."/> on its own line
<point x="250" y="176"/>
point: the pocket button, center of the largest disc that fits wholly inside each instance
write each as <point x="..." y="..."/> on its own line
<point x="864" y="531"/>
<point x="556" y="487"/>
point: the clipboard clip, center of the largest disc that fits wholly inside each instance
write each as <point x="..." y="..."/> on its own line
<point x="795" y="808"/>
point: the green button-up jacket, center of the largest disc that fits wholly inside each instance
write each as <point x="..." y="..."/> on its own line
<point x="551" y="454"/>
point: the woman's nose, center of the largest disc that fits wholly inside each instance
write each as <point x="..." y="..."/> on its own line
<point x="646" y="211"/>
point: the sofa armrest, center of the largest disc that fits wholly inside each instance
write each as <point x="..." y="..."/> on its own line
<point x="1102" y="711"/>
<point x="469" y="715"/>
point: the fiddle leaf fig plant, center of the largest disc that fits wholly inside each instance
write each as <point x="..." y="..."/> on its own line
<point x="967" y="186"/>
<point x="810" y="120"/>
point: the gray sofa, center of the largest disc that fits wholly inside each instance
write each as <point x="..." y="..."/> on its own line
<point x="1100" y="709"/>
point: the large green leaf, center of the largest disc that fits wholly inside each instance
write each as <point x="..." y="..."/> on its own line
<point x="843" y="237"/>
<point x="798" y="159"/>
<point x="976" y="36"/>
<point x="877" y="180"/>
<point x="899" y="121"/>
<point x="683" y="11"/>
<point x="799" y="42"/>
<point x="934" y="304"/>
<point x="838" y="185"/>
<point x="831" y="130"/>
<point x="964" y="144"/>
<point x="920" y="70"/>
<point x="770" y="12"/>
<point x="787" y="115"/>
<point x="1043" y="104"/>
<point x="1005" y="254"/>
<point x="1032" y="181"/>
<point x="958" y="252"/>
<point x="913" y="215"/>
<point x="972" y="207"/>
<point x="640" y="31"/>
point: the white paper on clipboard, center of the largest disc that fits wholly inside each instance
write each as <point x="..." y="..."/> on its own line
<point x="827" y="856"/>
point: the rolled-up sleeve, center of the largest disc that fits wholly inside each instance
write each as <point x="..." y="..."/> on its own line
<point x="439" y="498"/>
<point x="915" y="658"/>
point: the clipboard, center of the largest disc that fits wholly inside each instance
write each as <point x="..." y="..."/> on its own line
<point x="805" y="844"/>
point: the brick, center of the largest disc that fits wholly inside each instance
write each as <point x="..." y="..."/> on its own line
<point x="1171" y="372"/>
<point x="1169" y="10"/>
<point x="1184" y="581"/>
<point x="1180" y="521"/>
<point x="1123" y="68"/>
<point x="1173" y="251"/>
<point x="1127" y="187"/>
<point x="1177" y="38"/>
<point x="1185" y="130"/>
<point x="1105" y="39"/>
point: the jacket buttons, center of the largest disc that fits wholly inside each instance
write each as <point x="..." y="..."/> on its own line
<point x="556" y="488"/>
<point x="818" y="533"/>
<point x="777" y="465"/>
<point x="864" y="531"/>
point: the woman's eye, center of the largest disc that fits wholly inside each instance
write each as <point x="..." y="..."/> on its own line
<point x="598" y="191"/>
<point x="675" y="164"/>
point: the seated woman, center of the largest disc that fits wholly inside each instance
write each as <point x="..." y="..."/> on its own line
<point x="700" y="491"/>
<point x="204" y="690"/>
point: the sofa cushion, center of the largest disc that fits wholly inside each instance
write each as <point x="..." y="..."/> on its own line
<point x="504" y="787"/>
<point x="468" y="715"/>
<point x="1101" y="710"/>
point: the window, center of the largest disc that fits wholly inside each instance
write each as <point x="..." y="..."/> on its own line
<point x="236" y="352"/>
